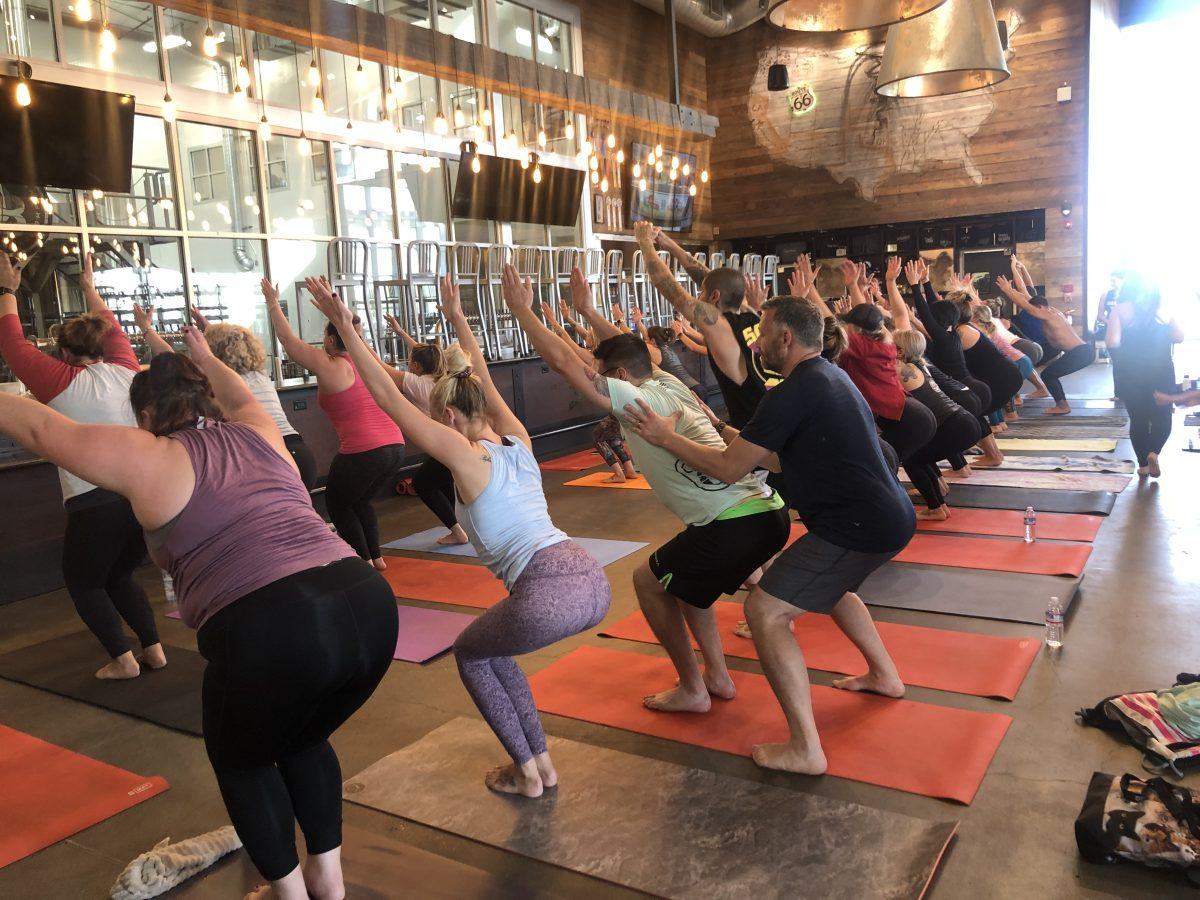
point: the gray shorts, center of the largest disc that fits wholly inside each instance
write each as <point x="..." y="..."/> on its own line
<point x="814" y="574"/>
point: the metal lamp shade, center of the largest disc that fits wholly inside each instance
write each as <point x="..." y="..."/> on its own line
<point x="777" y="77"/>
<point x="845" y="15"/>
<point x="953" y="49"/>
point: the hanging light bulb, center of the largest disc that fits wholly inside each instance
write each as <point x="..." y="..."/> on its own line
<point x="674" y="162"/>
<point x="318" y="103"/>
<point x="168" y="108"/>
<point x="209" y="44"/>
<point x="389" y="99"/>
<point x="595" y="178"/>
<point x="642" y="184"/>
<point x="541" y="138"/>
<point x="360" y="76"/>
<point x="476" y="166"/>
<point x="22" y="93"/>
<point x="108" y="40"/>
<point x="303" y="147"/>
<point x="264" y="128"/>
<point x="674" y="174"/>
<point x="525" y="161"/>
<point x="83" y="10"/>
<point x="620" y="157"/>
<point x="604" y="185"/>
<point x="569" y="130"/>
<point x="485" y="117"/>
<point x="440" y="125"/>
<point x="314" y="73"/>
<point x="239" y="96"/>
<point x="460" y="118"/>
<point x="692" y="189"/>
<point x="611" y="140"/>
<point x="537" y="174"/>
<point x="243" y="73"/>
<point x="593" y="162"/>
<point x="658" y="150"/>
<point x="658" y="167"/>
<point x="704" y="176"/>
<point x="587" y="147"/>
<point x="687" y="169"/>
<point x="425" y="165"/>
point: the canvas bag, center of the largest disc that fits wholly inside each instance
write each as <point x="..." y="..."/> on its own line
<point x="1157" y="722"/>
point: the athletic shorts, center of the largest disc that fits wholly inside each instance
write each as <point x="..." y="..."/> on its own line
<point x="814" y="574"/>
<point x="703" y="562"/>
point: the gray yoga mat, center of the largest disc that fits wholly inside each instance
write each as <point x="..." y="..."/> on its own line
<point x="604" y="551"/>
<point x="1006" y="596"/>
<point x="67" y="666"/>
<point x="656" y="827"/>
<point x="1078" y="407"/>
<point x="981" y="496"/>
<point x="1082" y="420"/>
<point x="1076" y="432"/>
<point x="1015" y="460"/>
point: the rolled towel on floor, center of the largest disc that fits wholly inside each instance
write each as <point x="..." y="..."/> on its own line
<point x="168" y="865"/>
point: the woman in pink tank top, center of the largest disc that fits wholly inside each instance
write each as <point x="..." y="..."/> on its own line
<point x="371" y="446"/>
<point x="297" y="630"/>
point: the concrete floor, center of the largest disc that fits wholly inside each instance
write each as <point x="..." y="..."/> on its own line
<point x="1134" y="627"/>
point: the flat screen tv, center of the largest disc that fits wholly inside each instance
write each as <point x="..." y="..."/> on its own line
<point x="67" y="137"/>
<point x="664" y="202"/>
<point x="501" y="190"/>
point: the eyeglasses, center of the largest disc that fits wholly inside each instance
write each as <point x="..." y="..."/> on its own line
<point x="607" y="372"/>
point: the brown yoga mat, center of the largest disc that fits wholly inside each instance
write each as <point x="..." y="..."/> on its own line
<point x="574" y="462"/>
<point x="1011" y="523"/>
<point x="1055" y="481"/>
<point x="1038" y="558"/>
<point x="1105" y="465"/>
<point x="960" y="662"/>
<point x="924" y="749"/>
<point x="48" y="793"/>
<point x="443" y="582"/>
<point x="600" y="480"/>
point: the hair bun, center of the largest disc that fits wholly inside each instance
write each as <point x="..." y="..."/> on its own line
<point x="462" y="374"/>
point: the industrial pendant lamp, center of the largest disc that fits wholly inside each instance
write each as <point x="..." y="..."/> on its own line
<point x="777" y="77"/>
<point x="953" y="49"/>
<point x="845" y="15"/>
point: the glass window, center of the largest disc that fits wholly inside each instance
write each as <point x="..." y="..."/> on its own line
<point x="421" y="199"/>
<point x="415" y="99"/>
<point x="364" y="191"/>
<point x="34" y="28"/>
<point x="225" y="282"/>
<point x="219" y="178"/>
<point x="283" y="70"/>
<point x="151" y="203"/>
<point x="143" y="270"/>
<point x="134" y="48"/>
<point x="297" y="200"/>
<point x="353" y="87"/>
<point x="526" y="234"/>
<point x="291" y="263"/>
<point x="183" y="38"/>
<point x="36" y="205"/>
<point x="568" y="236"/>
<point x="459" y="19"/>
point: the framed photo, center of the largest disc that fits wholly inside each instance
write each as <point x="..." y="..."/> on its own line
<point x="598" y="209"/>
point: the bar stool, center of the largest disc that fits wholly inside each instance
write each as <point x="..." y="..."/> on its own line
<point x="424" y="265"/>
<point x="347" y="261"/>
<point x="771" y="274"/>
<point x="467" y="268"/>
<point x="509" y="340"/>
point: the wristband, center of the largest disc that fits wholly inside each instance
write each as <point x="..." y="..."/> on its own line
<point x="721" y="426"/>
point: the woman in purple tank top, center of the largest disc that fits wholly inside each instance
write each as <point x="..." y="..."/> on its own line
<point x="296" y="629"/>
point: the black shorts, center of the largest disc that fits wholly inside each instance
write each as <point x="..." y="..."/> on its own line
<point x="814" y="574"/>
<point x="703" y="562"/>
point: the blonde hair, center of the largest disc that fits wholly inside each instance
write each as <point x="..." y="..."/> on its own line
<point x="236" y="346"/>
<point x="461" y="391"/>
<point x="983" y="318"/>
<point x="911" y="345"/>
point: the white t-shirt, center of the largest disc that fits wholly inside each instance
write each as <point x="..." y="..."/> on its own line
<point x="417" y="389"/>
<point x="263" y="389"/>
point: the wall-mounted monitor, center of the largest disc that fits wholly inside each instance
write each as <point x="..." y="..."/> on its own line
<point x="666" y="203"/>
<point x="503" y="191"/>
<point x="67" y="137"/>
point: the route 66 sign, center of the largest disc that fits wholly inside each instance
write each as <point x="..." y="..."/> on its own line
<point x="802" y="100"/>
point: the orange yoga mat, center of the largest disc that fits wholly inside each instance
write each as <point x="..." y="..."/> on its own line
<point x="1011" y="523"/>
<point x="916" y="747"/>
<point x="600" y="480"/>
<point x="443" y="582"/>
<point x="574" y="462"/>
<point x="978" y="664"/>
<point x="48" y="793"/>
<point x="1038" y="558"/>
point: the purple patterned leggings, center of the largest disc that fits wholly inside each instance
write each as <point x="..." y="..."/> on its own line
<point x="561" y="592"/>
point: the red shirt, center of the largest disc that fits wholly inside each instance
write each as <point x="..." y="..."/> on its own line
<point x="871" y="365"/>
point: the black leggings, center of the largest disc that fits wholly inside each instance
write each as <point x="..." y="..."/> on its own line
<point x="287" y="665"/>
<point x="956" y="434"/>
<point x="1149" y="423"/>
<point x="354" y="479"/>
<point x="1072" y="361"/>
<point x="303" y="458"/>
<point x="913" y="430"/>
<point x="434" y="484"/>
<point x="102" y="547"/>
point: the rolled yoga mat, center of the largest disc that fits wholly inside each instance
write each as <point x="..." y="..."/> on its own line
<point x="1053" y="481"/>
<point x="443" y="582"/>
<point x="1064" y="445"/>
<point x="604" y="551"/>
<point x="1106" y="465"/>
<point x="67" y="665"/>
<point x="980" y="664"/>
<point x="1011" y="523"/>
<point x="573" y="462"/>
<point x="426" y="633"/>
<point x="48" y="793"/>
<point x="924" y="749"/>
<point x="1095" y="503"/>
<point x="652" y="826"/>
<point x="1003" y="596"/>
<point x="600" y="480"/>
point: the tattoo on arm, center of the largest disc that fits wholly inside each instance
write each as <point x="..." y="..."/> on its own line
<point x="695" y="271"/>
<point x="600" y="383"/>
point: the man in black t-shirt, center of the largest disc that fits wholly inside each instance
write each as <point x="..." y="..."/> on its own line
<point x="816" y="428"/>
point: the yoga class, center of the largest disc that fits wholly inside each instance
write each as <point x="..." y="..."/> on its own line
<point x="531" y="449"/>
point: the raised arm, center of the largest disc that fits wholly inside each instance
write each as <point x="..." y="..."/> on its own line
<point x="581" y="299"/>
<point x="518" y="295"/>
<point x="729" y="464"/>
<point x="1009" y="290"/>
<point x="852" y="273"/>
<point x="803" y="283"/>
<point x="231" y="392"/>
<point x="563" y="335"/>
<point x="398" y="330"/>
<point x="901" y="319"/>
<point x="45" y="376"/>
<point x="756" y="293"/>
<point x="144" y="317"/>
<point x="695" y="269"/>
<point x="198" y="318"/>
<point x="312" y="358"/>
<point x="912" y="274"/>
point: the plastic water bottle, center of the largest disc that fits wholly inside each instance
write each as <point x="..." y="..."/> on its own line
<point x="1054" y="624"/>
<point x="169" y="587"/>
<point x="1030" y="525"/>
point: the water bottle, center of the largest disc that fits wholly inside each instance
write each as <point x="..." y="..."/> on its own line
<point x="1054" y="624"/>
<point x="168" y="587"/>
<point x="1030" y="525"/>
<point x="1186" y="384"/>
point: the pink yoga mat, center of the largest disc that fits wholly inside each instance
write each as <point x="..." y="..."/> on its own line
<point x="426" y="633"/>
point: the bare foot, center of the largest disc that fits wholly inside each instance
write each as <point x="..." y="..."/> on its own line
<point x="787" y="758"/>
<point x="1152" y="465"/>
<point x="379" y="564"/>
<point x="453" y="539"/>
<point x="987" y="461"/>
<point x="964" y="472"/>
<point x="1011" y="416"/>
<point x="945" y="488"/>
<point x="872" y="683"/>
<point x="1037" y="395"/>
<point x="1143" y="471"/>
<point x="122" y="668"/>
<point x="546" y="770"/>
<point x="742" y="630"/>
<point x="153" y="657"/>
<point x="1060" y="409"/>
<point x="941" y="514"/>
<point x="262" y="892"/>
<point x="616" y="478"/>
<point x="720" y="686"/>
<point x="679" y="700"/>
<point x="511" y="780"/>
<point x="1018" y="400"/>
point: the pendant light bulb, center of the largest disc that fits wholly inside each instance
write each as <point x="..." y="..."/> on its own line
<point x="541" y="139"/>
<point x="239" y="96"/>
<point x="687" y="169"/>
<point x="243" y="73"/>
<point x="108" y="41"/>
<point x="425" y="165"/>
<point x="537" y="174"/>
<point x="658" y="167"/>
<point x="595" y="178"/>
<point x="485" y="117"/>
<point x="620" y="157"/>
<point x="593" y="162"/>
<point x="674" y="174"/>
<point x="604" y="185"/>
<point x="304" y="147"/>
<point x="569" y="130"/>
<point x="587" y="147"/>
<point x="692" y="190"/>
<point x="637" y="170"/>
<point x="704" y="176"/>
<point x="460" y="118"/>
<point x="314" y="74"/>
<point x="22" y="93"/>
<point x="168" y="108"/>
<point x="318" y="103"/>
<point x="264" y="128"/>
<point x="83" y="10"/>
<point x="525" y="160"/>
<point x="440" y="125"/>
<point x="642" y="184"/>
<point x="476" y="165"/>
<point x="360" y="76"/>
<point x="658" y="150"/>
<point x="209" y="44"/>
<point x="611" y="140"/>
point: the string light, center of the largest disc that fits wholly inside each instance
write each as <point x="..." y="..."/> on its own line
<point x="314" y="73"/>
<point x="168" y="108"/>
<point x="611" y="140"/>
<point x="264" y="128"/>
<point x="209" y="44"/>
<point x="704" y="176"/>
<point x="637" y="170"/>
<point x="569" y="130"/>
<point x="604" y="185"/>
<point x="460" y="118"/>
<point x="318" y="103"/>
<point x="83" y="10"/>
<point x="22" y="93"/>
<point x="440" y="126"/>
<point x="642" y="184"/>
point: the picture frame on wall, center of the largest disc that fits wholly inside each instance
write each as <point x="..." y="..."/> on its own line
<point x="598" y="209"/>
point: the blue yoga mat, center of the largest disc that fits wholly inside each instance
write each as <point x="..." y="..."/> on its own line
<point x="603" y="551"/>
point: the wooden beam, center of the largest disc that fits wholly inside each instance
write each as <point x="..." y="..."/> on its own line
<point x="357" y="32"/>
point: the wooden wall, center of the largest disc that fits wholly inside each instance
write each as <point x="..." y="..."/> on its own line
<point x="858" y="160"/>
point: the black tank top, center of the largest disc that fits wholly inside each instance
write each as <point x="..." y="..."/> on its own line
<point x="741" y="400"/>
<point x="992" y="367"/>
<point x="932" y="397"/>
